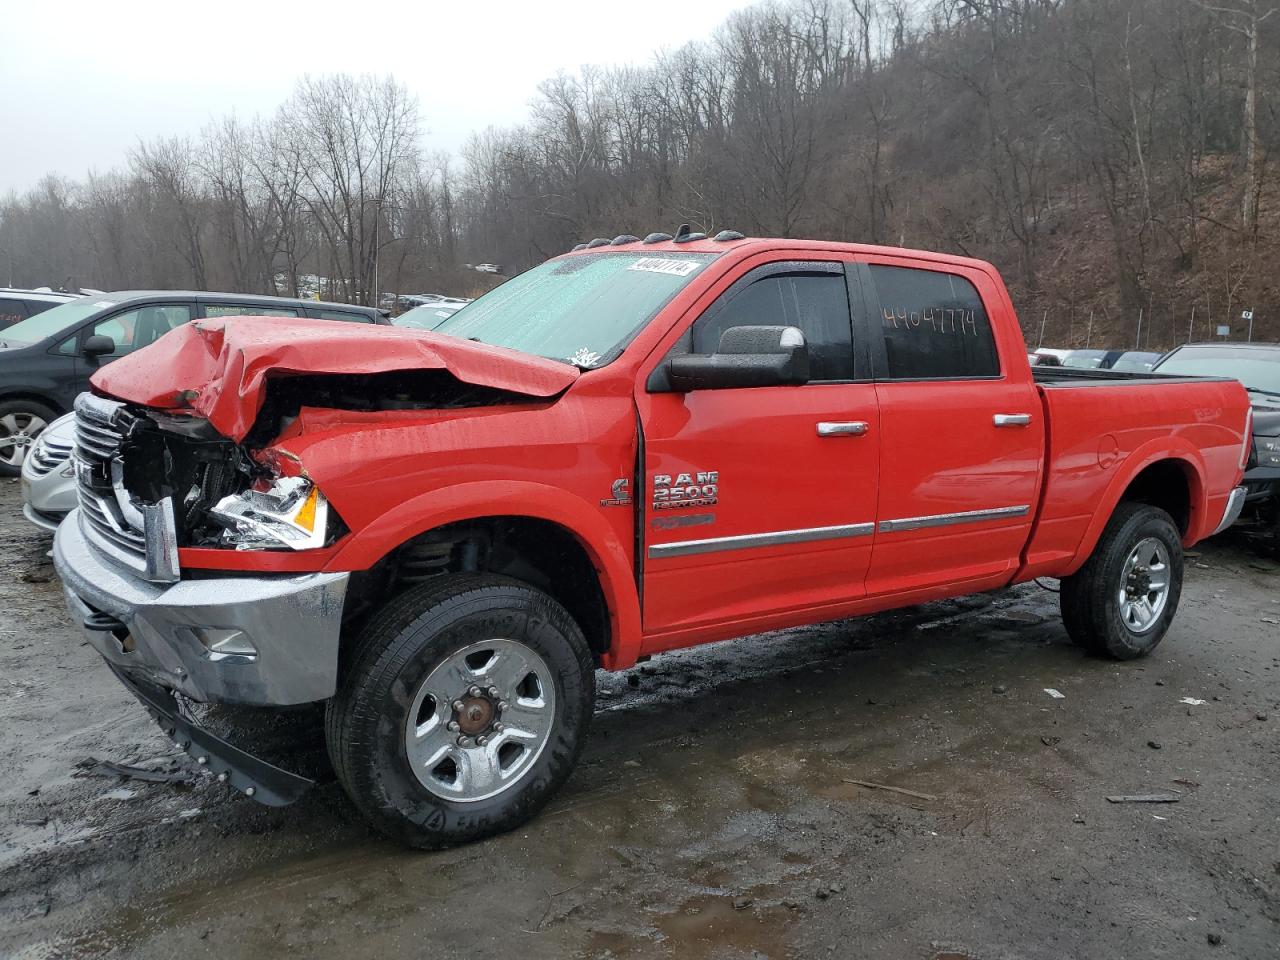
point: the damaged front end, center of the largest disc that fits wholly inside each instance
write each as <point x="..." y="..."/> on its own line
<point x="152" y="482"/>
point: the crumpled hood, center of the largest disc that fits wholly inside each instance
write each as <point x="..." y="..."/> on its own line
<point x="219" y="369"/>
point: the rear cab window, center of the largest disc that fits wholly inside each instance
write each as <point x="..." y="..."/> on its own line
<point x="933" y="325"/>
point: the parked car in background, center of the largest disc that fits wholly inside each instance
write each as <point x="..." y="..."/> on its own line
<point x="1134" y="361"/>
<point x="48" y="475"/>
<point x="16" y="305"/>
<point x="429" y="315"/>
<point x="1257" y="366"/>
<point x="46" y="359"/>
<point x="1044" y="359"/>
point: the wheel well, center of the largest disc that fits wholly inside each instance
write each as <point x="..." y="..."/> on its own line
<point x="1164" y="484"/>
<point x="540" y="553"/>
<point x="35" y="398"/>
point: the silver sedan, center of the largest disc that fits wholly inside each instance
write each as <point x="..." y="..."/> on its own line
<point x="48" y="475"/>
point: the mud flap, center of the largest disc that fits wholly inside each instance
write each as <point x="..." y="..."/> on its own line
<point x="255" y="778"/>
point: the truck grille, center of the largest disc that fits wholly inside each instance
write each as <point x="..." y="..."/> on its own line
<point x="48" y="456"/>
<point x="102" y="517"/>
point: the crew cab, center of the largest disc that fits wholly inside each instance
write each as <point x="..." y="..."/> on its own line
<point x="635" y="447"/>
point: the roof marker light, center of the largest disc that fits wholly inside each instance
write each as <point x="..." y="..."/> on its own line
<point x="622" y="238"/>
<point x="598" y="242"/>
<point x="657" y="237"/>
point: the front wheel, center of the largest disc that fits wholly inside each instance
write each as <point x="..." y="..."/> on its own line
<point x="1121" y="602"/>
<point x="21" y="421"/>
<point x="464" y="710"/>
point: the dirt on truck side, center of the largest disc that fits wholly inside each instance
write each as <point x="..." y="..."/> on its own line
<point x="714" y="813"/>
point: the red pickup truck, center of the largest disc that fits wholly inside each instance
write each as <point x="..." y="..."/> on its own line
<point x="638" y="446"/>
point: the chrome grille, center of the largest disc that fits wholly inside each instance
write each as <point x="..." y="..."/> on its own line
<point x="141" y="536"/>
<point x="48" y="456"/>
<point x="102" y="516"/>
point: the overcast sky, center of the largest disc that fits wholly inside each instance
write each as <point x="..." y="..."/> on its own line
<point x="81" y="83"/>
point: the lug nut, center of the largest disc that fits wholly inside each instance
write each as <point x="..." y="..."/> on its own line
<point x="458" y="704"/>
<point x="499" y="727"/>
<point x="493" y="692"/>
<point x="453" y="726"/>
<point x="222" y="777"/>
<point x="474" y="691"/>
<point x="202" y="760"/>
<point x="481" y="741"/>
<point x="250" y="791"/>
<point x="464" y="741"/>
<point x="502" y="704"/>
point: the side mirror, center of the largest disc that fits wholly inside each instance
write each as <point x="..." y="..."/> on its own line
<point x="98" y="345"/>
<point x="746" y="357"/>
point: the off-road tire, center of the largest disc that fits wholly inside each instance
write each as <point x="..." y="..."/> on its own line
<point x="365" y="721"/>
<point x="1089" y="598"/>
<point x="7" y="407"/>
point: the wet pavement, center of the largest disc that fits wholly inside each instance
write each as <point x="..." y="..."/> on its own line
<point x="713" y="814"/>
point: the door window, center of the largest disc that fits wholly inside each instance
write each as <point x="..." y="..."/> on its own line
<point x="247" y="310"/>
<point x="142" y="327"/>
<point x="817" y="303"/>
<point x="11" y="311"/>
<point x="934" y="324"/>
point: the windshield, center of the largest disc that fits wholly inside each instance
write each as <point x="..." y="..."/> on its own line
<point x="426" y="317"/>
<point x="582" y="310"/>
<point x="51" y="322"/>
<point x="1258" y="369"/>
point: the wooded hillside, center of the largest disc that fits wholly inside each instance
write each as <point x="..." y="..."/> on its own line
<point x="1110" y="156"/>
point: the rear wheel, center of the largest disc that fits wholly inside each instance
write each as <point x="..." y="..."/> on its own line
<point x="464" y="710"/>
<point x="1121" y="602"/>
<point x="20" y="423"/>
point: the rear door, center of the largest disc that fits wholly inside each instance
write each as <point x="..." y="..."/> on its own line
<point x="762" y="500"/>
<point x="962" y="437"/>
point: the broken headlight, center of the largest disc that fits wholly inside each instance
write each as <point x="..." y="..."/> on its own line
<point x="285" y="513"/>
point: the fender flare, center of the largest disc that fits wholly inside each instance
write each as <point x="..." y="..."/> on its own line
<point x="611" y="557"/>
<point x="1175" y="449"/>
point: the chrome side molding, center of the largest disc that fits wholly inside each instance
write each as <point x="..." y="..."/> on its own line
<point x="685" y="548"/>
<point x="949" y="519"/>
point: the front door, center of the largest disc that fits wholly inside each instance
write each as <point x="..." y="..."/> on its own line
<point x="762" y="500"/>
<point x="962" y="438"/>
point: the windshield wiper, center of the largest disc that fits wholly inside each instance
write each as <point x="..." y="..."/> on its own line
<point x="1265" y="393"/>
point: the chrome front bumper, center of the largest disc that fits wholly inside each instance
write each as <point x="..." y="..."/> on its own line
<point x="154" y="630"/>
<point x="1235" y="503"/>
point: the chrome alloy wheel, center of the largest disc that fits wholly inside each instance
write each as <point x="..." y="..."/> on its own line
<point x="18" y="431"/>
<point x="480" y="720"/>
<point x="1144" y="585"/>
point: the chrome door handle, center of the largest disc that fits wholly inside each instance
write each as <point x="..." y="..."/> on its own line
<point x="1011" y="419"/>
<point x="845" y="428"/>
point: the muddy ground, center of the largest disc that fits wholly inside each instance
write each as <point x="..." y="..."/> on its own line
<point x="712" y="815"/>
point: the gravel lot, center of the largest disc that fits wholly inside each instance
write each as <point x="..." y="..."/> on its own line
<point x="713" y="814"/>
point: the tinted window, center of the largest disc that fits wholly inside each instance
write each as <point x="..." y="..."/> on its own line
<point x="340" y="315"/>
<point x="817" y="303"/>
<point x="139" y="328"/>
<point x="247" y="310"/>
<point x="11" y="311"/>
<point x="935" y="326"/>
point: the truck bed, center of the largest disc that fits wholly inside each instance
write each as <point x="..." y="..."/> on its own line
<point x="1095" y="438"/>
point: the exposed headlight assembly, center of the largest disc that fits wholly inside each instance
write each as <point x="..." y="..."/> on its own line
<point x="1268" y="451"/>
<point x="286" y="513"/>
